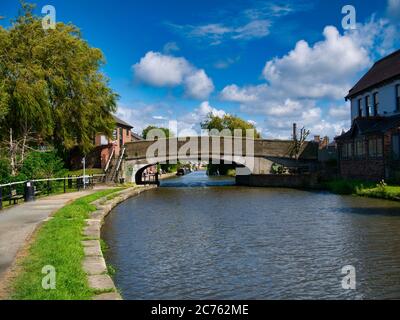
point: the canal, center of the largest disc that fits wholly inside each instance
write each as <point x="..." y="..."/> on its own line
<point x="198" y="237"/>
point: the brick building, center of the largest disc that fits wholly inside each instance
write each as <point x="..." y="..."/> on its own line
<point x="370" y="150"/>
<point x="105" y="147"/>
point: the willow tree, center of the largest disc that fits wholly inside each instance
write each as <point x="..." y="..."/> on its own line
<point x="51" y="85"/>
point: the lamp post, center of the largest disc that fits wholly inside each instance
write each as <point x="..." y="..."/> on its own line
<point x="84" y="172"/>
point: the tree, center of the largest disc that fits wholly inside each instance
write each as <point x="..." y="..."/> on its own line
<point x="230" y="123"/>
<point x="51" y="86"/>
<point x="298" y="143"/>
<point x="167" y="132"/>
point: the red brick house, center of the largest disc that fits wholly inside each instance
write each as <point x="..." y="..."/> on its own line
<point x="105" y="147"/>
<point x="121" y="135"/>
<point x="370" y="150"/>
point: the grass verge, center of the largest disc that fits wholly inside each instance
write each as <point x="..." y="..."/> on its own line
<point x="366" y="189"/>
<point x="58" y="244"/>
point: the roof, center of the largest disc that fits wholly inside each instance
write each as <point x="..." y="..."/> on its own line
<point x="122" y="122"/>
<point x="372" y="125"/>
<point x="383" y="70"/>
<point x="136" y="136"/>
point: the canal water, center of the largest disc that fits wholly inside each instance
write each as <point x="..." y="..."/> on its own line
<point x="198" y="237"/>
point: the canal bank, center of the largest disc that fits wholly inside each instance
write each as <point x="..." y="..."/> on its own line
<point x="198" y="238"/>
<point x="68" y="244"/>
<point x="314" y="181"/>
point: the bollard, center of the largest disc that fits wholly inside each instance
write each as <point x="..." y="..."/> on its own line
<point x="29" y="193"/>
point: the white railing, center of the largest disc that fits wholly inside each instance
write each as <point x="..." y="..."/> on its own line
<point x="120" y="160"/>
<point x="109" y="160"/>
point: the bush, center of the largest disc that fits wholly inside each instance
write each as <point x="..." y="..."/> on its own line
<point x="4" y="171"/>
<point x="347" y="186"/>
<point x="42" y="165"/>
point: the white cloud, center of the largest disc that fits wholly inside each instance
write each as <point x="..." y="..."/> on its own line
<point x="298" y="82"/>
<point x="218" y="32"/>
<point x="245" y="94"/>
<point x="141" y="115"/>
<point x="340" y="113"/>
<point x="205" y="109"/>
<point x="192" y="120"/>
<point x="253" y="30"/>
<point x="393" y="8"/>
<point x="170" y="47"/>
<point x="323" y="70"/>
<point x="198" y="85"/>
<point x="160" y="70"/>
<point x="226" y="63"/>
<point x="240" y="24"/>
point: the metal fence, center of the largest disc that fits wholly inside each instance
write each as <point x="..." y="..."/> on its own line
<point x="14" y="192"/>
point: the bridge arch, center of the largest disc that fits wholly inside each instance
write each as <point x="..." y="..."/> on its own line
<point x="137" y="175"/>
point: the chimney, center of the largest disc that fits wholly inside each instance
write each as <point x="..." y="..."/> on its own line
<point x="294" y="132"/>
<point x="317" y="139"/>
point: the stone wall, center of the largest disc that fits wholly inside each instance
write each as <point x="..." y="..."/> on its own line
<point x="262" y="148"/>
<point x="279" y="181"/>
<point x="367" y="169"/>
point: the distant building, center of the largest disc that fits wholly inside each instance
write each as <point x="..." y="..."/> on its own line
<point x="121" y="135"/>
<point x="105" y="147"/>
<point x="371" y="148"/>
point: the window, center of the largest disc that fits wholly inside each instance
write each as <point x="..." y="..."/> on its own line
<point x="359" y="108"/>
<point x="103" y="140"/>
<point x="398" y="97"/>
<point x="396" y="147"/>
<point x="344" y="151"/>
<point x="375" y="147"/>
<point x="368" y="106"/>
<point x="376" y="104"/>
<point x="360" y="148"/>
<point x="114" y="135"/>
<point x="347" y="150"/>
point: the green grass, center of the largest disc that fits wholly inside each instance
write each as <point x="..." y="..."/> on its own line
<point x="366" y="189"/>
<point x="341" y="186"/>
<point x="381" y="192"/>
<point x="58" y="244"/>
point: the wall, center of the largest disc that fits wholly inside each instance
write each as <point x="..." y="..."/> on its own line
<point x="279" y="181"/>
<point x="373" y="170"/>
<point x="262" y="148"/>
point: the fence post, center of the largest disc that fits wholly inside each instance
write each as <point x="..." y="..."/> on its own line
<point x="69" y="182"/>
<point x="157" y="180"/>
<point x="1" y="198"/>
<point x="65" y="185"/>
<point x="29" y="194"/>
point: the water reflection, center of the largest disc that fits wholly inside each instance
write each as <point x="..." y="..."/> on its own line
<point x="193" y="239"/>
<point x="197" y="179"/>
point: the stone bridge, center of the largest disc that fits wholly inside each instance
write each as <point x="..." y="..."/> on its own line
<point x="251" y="156"/>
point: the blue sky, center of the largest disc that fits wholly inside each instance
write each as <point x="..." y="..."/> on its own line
<point x="270" y="62"/>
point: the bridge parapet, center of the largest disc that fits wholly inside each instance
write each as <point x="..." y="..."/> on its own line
<point x="203" y="147"/>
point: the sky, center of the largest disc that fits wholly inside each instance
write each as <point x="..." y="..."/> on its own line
<point x="270" y="62"/>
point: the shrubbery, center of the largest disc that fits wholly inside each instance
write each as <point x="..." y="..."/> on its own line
<point x="4" y="171"/>
<point x="37" y="165"/>
<point x="42" y="165"/>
